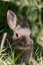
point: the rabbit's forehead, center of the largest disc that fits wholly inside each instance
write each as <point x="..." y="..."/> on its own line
<point x="23" y="31"/>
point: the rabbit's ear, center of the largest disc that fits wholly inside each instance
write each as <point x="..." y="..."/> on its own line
<point x="12" y="19"/>
<point x="24" y="22"/>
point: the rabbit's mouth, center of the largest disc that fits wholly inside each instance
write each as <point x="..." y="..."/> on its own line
<point x="22" y="48"/>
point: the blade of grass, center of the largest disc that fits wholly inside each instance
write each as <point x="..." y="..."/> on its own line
<point x="18" y="56"/>
<point x="3" y="40"/>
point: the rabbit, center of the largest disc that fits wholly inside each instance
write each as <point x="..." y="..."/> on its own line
<point x="21" y="30"/>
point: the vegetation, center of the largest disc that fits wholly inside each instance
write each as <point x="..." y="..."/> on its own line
<point x="34" y="11"/>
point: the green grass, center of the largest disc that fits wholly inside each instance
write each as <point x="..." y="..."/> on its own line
<point x="9" y="59"/>
<point x="35" y="20"/>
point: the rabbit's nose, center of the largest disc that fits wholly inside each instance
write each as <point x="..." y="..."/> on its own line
<point x="23" y="41"/>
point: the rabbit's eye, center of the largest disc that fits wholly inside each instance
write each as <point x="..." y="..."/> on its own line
<point x="17" y="34"/>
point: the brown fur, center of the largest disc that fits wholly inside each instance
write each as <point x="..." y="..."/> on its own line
<point x="26" y="44"/>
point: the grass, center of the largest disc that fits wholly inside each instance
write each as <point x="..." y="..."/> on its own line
<point x="32" y="8"/>
<point x="9" y="59"/>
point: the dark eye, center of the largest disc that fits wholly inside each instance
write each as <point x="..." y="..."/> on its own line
<point x="16" y="34"/>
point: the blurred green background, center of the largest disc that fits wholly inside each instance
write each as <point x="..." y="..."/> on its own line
<point x="34" y="11"/>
